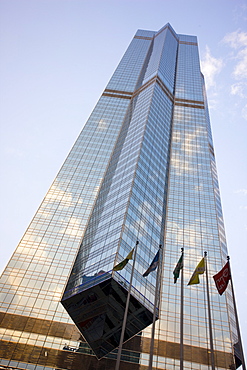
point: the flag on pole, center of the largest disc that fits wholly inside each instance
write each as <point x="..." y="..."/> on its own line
<point x="153" y="265"/>
<point x="222" y="277"/>
<point x="200" y="269"/>
<point x="177" y="269"/>
<point x="122" y="264"/>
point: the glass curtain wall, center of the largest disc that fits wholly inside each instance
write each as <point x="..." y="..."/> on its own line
<point x="143" y="168"/>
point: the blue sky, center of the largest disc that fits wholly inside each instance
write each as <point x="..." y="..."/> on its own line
<point x="57" y="57"/>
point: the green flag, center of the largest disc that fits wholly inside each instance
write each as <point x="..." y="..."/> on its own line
<point x="122" y="264"/>
<point x="177" y="269"/>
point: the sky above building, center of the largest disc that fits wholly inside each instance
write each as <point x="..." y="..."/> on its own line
<point x="56" y="59"/>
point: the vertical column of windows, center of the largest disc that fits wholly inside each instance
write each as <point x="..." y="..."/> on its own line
<point x="163" y="59"/>
<point x="145" y="211"/>
<point x="229" y="317"/>
<point x="192" y="224"/>
<point x="154" y="61"/>
<point x="191" y="218"/>
<point x="105" y="226"/>
<point x="126" y="76"/>
<point x="188" y="75"/>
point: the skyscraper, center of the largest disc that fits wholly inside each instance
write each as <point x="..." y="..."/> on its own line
<point x="143" y="168"/>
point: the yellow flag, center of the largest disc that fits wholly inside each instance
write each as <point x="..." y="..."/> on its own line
<point x="122" y="264"/>
<point x="200" y="269"/>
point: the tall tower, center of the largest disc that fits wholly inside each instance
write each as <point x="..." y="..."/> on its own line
<point x="143" y="168"/>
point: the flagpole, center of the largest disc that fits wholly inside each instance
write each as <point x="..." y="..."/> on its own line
<point x="126" y="312"/>
<point x="236" y="318"/>
<point x="182" y="317"/>
<point x="154" y="311"/>
<point x="209" y="316"/>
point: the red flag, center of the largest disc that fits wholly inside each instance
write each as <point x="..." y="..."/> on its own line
<point x="221" y="279"/>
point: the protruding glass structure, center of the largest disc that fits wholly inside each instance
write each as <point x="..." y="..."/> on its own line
<point x="143" y="168"/>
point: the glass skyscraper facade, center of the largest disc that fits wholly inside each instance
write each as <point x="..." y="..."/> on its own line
<point x="143" y="168"/>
